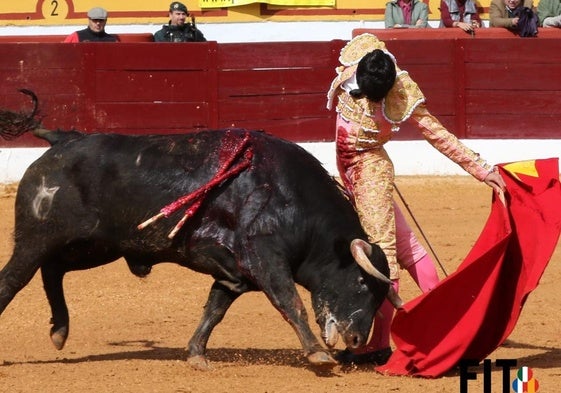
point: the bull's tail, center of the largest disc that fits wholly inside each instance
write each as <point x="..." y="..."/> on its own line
<point x="15" y="124"/>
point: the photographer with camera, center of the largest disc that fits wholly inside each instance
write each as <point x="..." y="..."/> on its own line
<point x="178" y="29"/>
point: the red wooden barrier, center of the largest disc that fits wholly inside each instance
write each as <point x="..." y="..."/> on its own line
<point x="165" y="87"/>
<point x="495" y="85"/>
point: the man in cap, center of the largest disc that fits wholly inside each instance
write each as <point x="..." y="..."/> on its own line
<point x="178" y="29"/>
<point x="95" y="32"/>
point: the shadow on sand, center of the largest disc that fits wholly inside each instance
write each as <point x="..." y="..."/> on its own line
<point x="150" y="350"/>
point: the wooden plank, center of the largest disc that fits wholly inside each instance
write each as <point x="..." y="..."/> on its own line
<point x="531" y="102"/>
<point x="151" y="116"/>
<point x="151" y="86"/>
<point x="274" y="55"/>
<point x="22" y="57"/>
<point x="515" y="50"/>
<point x="273" y="107"/>
<point x="44" y="82"/>
<point x="237" y="83"/>
<point x="513" y="126"/>
<point x="513" y="75"/>
<point x="152" y="56"/>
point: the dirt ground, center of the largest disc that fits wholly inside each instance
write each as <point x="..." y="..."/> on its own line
<point x="128" y="334"/>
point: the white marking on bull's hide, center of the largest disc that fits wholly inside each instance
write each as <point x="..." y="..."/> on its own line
<point x="94" y="227"/>
<point x="330" y="334"/>
<point x="43" y="200"/>
<point x="355" y="312"/>
<point x="138" y="159"/>
<point x="329" y="331"/>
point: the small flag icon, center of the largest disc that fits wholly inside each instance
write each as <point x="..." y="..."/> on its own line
<point x="525" y="381"/>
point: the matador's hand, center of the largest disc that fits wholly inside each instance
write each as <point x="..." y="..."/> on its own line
<point x="495" y="181"/>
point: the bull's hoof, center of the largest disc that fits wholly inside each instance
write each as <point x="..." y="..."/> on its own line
<point x="199" y="362"/>
<point x="59" y="336"/>
<point x="321" y="359"/>
<point x="140" y="270"/>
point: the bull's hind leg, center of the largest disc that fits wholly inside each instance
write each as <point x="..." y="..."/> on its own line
<point x="78" y="254"/>
<point x="219" y="301"/>
<point x="52" y="283"/>
<point x="17" y="273"/>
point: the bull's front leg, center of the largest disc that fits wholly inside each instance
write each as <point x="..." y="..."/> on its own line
<point x="280" y="288"/>
<point x="219" y="301"/>
<point x="290" y="305"/>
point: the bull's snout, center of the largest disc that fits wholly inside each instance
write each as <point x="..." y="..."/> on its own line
<point x="332" y="329"/>
<point x="354" y="340"/>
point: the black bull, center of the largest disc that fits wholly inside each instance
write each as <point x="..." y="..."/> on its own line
<point x="255" y="212"/>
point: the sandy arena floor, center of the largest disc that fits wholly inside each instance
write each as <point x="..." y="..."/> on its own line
<point x="128" y="334"/>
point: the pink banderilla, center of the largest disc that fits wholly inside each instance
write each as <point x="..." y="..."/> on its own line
<point x="229" y="152"/>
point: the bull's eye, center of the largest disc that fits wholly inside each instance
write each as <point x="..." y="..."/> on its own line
<point x="361" y="281"/>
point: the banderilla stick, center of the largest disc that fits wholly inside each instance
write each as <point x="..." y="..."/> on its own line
<point x="420" y="229"/>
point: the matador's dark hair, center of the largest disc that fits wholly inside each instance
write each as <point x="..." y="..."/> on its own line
<point x="375" y="75"/>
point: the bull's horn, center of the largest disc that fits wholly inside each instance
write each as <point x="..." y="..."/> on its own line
<point x="394" y="298"/>
<point x="361" y="250"/>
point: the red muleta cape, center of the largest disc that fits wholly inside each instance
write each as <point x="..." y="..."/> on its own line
<point x="473" y="311"/>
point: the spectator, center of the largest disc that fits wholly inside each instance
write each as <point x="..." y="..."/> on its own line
<point x="504" y="13"/>
<point x="460" y="13"/>
<point x="406" y="14"/>
<point x="177" y="29"/>
<point x="549" y="13"/>
<point x="95" y="32"/>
